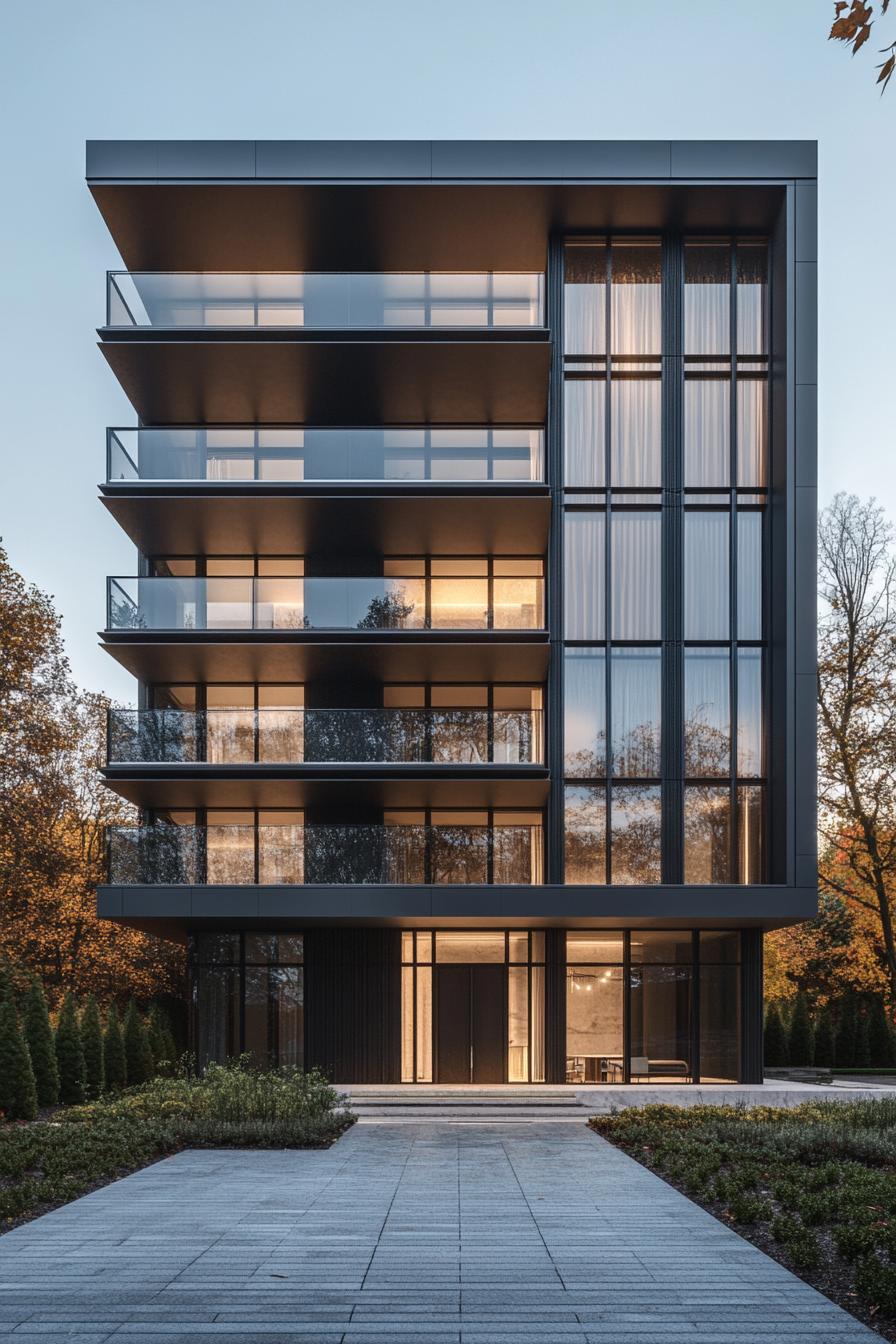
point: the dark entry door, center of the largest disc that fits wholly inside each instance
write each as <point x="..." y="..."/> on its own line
<point x="470" y="1028"/>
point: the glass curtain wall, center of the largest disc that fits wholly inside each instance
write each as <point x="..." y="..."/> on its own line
<point x="520" y="951"/>
<point x="247" y="992"/>
<point x="725" y="456"/>
<point x="623" y="661"/>
<point x="612" y="456"/>
<point x="652" y="1006"/>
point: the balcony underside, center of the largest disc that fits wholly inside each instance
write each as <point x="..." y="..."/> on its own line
<point x="482" y="225"/>
<point x="171" y="910"/>
<point x="290" y="656"/>
<point x="337" y="378"/>
<point x="300" y="520"/>
<point x="272" y="786"/>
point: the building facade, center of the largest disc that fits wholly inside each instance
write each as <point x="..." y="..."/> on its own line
<point x="472" y="620"/>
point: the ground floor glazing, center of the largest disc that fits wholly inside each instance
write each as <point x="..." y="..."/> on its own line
<point x="455" y="1006"/>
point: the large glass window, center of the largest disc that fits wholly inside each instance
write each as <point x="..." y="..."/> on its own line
<point x="632" y="1014"/>
<point x="248" y="997"/>
<point x="627" y="654"/>
<point x="518" y="956"/>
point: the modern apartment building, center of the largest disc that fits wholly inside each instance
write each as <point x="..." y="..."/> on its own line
<point x="473" y="613"/>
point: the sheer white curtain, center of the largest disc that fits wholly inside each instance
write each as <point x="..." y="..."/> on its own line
<point x="583" y="431"/>
<point x="583" y="588"/>
<point x="635" y="452"/>
<point x="707" y="712"/>
<point x="635" y="300"/>
<point x="707" y="437"/>
<point x="749" y="713"/>
<point x="706" y="603"/>
<point x="584" y="712"/>
<point x="635" y="691"/>
<point x="584" y="300"/>
<point x="752" y="431"/>
<point x="635" y="553"/>
<point x="749" y="575"/>
<point x="707" y="300"/>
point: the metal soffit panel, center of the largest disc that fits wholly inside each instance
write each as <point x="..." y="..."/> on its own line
<point x="288" y="522"/>
<point x="341" y="382"/>
<point x="426" y="226"/>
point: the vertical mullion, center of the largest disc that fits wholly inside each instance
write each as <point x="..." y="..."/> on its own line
<point x="241" y="989"/>
<point x="672" y="722"/>
<point x="627" y="1006"/>
<point x="608" y="576"/>
<point x="556" y="578"/>
<point x="694" y="1024"/>
<point x="732" y="577"/>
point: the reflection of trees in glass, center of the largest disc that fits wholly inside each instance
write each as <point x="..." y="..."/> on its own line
<point x="388" y="612"/>
<point x="636" y="835"/>
<point x="707" y="817"/>
<point x="636" y="755"/>
<point x="586" y="838"/>
<point x="707" y="748"/>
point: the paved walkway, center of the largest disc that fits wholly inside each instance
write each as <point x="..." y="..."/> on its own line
<point x="460" y="1233"/>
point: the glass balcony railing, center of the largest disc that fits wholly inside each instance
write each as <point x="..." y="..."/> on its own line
<point x="342" y="855"/>
<point x="293" y="736"/>
<point x="431" y="299"/>
<point x="169" y="603"/>
<point x="237" y="456"/>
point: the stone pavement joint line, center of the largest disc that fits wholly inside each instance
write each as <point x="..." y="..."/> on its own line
<point x="443" y="1233"/>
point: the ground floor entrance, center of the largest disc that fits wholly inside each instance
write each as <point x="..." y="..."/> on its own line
<point x="469" y="1013"/>
<point x="484" y="1006"/>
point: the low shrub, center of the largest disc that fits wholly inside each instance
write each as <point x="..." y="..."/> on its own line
<point x="230" y="1105"/>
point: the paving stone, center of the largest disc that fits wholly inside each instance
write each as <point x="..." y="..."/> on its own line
<point x="435" y="1232"/>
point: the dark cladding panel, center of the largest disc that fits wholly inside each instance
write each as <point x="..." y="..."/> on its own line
<point x="549" y="160"/>
<point x="752" y="1020"/>
<point x="744" y="158"/>
<point x="353" y="1004"/>
<point x="203" y="158"/>
<point x="340" y="159"/>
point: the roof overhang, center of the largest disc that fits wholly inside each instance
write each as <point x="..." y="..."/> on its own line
<point x="427" y="205"/>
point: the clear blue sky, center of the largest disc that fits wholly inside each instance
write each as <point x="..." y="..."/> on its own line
<point x="284" y="69"/>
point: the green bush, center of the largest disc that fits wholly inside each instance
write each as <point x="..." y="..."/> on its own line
<point x="69" y="1054"/>
<point x="115" y="1065"/>
<point x="39" y="1036"/>
<point x="863" y="1043"/>
<point x="138" y="1056"/>
<point x="92" y="1046"/>
<point x="877" y="1283"/>
<point x="746" y="1208"/>
<point x="799" y="1043"/>
<point x="776" y="1049"/>
<point x="18" y="1093"/>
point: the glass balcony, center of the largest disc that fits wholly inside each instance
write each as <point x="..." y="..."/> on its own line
<point x="343" y="855"/>
<point x="238" y="456"/>
<point x="293" y="736"/>
<point x="336" y="301"/>
<point x="276" y="603"/>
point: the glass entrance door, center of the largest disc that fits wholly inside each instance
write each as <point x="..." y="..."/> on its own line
<point x="470" y="1028"/>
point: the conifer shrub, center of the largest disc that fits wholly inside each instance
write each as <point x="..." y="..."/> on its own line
<point x="92" y="1046"/>
<point x="863" y="1042"/>
<point x="115" y="1065"/>
<point x="776" y="1046"/>
<point x="39" y="1036"/>
<point x="161" y="1041"/>
<point x="824" y="1039"/>
<point x="847" y="1030"/>
<point x="800" y="1044"/>
<point x="880" y="1036"/>
<point x="69" y="1054"/>
<point x="18" y="1093"/>
<point x="137" y="1054"/>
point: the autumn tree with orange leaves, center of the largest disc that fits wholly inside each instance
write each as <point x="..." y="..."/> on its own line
<point x="853" y="20"/>
<point x="53" y="815"/>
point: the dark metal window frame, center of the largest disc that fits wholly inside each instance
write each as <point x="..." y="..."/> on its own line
<point x="673" y="501"/>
